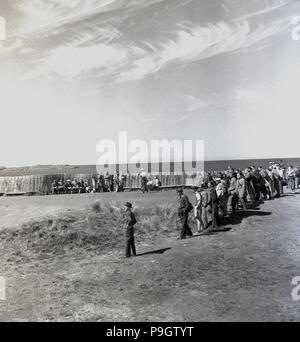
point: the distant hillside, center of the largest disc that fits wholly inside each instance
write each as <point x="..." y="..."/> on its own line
<point x="47" y="170"/>
<point x="90" y="169"/>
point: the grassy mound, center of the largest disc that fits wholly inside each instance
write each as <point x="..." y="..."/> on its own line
<point x="98" y="228"/>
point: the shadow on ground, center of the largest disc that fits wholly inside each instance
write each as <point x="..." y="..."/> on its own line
<point x="240" y="216"/>
<point x="158" y="251"/>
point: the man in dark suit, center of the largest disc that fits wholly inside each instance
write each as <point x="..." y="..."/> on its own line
<point x="129" y="231"/>
<point x="214" y="205"/>
<point x="183" y="213"/>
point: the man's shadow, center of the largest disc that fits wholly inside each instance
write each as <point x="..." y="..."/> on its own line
<point x="213" y="231"/>
<point x="238" y="217"/>
<point x="290" y="194"/>
<point x="158" y="251"/>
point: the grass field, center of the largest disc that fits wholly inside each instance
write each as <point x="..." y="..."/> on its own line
<point x="62" y="258"/>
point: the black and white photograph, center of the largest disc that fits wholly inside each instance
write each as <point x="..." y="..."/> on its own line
<point x="149" y="163"/>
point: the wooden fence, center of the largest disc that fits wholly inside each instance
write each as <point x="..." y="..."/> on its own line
<point x="42" y="184"/>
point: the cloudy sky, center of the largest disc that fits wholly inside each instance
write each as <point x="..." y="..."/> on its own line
<point x="74" y="72"/>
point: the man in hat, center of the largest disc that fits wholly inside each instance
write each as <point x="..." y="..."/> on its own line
<point x="277" y="181"/>
<point x="297" y="177"/>
<point x="107" y="180"/>
<point x="241" y="191"/>
<point x="232" y="196"/>
<point x="222" y="196"/>
<point x="214" y="205"/>
<point x="144" y="181"/>
<point x="198" y="209"/>
<point x="183" y="212"/>
<point x="54" y="187"/>
<point x="129" y="231"/>
<point x="116" y="181"/>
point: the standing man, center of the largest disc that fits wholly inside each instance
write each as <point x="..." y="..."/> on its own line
<point x="257" y="179"/>
<point x="117" y="182"/>
<point x="198" y="210"/>
<point x="144" y="181"/>
<point x="107" y="182"/>
<point x="241" y="191"/>
<point x="277" y="181"/>
<point x="54" y="187"/>
<point x="101" y="183"/>
<point x="130" y="221"/>
<point x="222" y="196"/>
<point x="183" y="212"/>
<point x="214" y="205"/>
<point x="297" y="177"/>
<point x="291" y="178"/>
<point x="232" y="196"/>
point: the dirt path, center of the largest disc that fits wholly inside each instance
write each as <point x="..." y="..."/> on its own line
<point x="241" y="273"/>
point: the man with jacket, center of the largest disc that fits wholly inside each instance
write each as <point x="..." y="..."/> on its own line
<point x="130" y="221"/>
<point x="297" y="177"/>
<point x="183" y="212"/>
<point x="214" y="205"/>
<point x="232" y="196"/>
<point x="241" y="191"/>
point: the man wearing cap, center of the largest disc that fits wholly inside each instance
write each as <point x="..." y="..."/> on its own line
<point x="129" y="231"/>
<point x="198" y="209"/>
<point x="241" y="191"/>
<point x="232" y="196"/>
<point x="107" y="182"/>
<point x="297" y="177"/>
<point x="144" y="181"/>
<point x="183" y="212"/>
<point x="221" y="193"/>
<point x="276" y="180"/>
<point x="214" y="204"/>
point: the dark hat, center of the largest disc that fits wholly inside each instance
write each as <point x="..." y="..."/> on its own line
<point x="179" y="191"/>
<point x="204" y="185"/>
<point x="128" y="205"/>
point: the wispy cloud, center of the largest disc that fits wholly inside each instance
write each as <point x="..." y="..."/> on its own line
<point x="8" y="47"/>
<point x="190" y="105"/>
<point x="78" y="42"/>
<point x="193" y="103"/>
<point x="71" y="61"/>
<point x="132" y="61"/>
<point x="42" y="14"/>
<point x="194" y="43"/>
<point x="248" y="95"/>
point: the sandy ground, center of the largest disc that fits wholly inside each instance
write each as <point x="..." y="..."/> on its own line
<point x="242" y="273"/>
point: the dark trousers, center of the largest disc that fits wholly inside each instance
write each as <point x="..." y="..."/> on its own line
<point x="257" y="193"/>
<point x="107" y="185"/>
<point x="277" y="187"/>
<point x="185" y="230"/>
<point x="129" y="246"/>
<point x="243" y="203"/>
<point x="144" y="187"/>
<point x="264" y="191"/>
<point x="215" y="215"/>
<point x="231" y="203"/>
